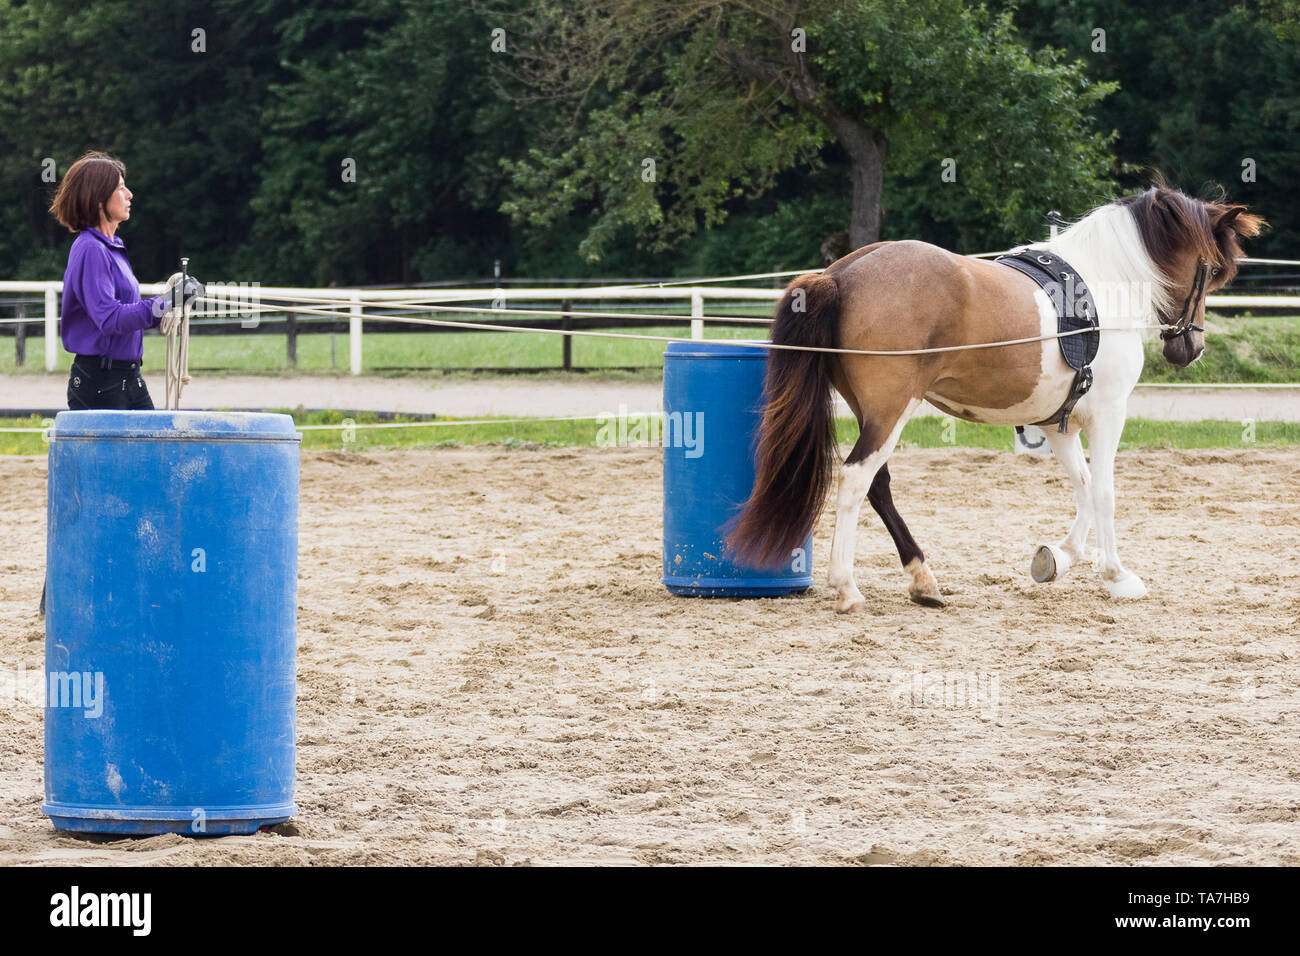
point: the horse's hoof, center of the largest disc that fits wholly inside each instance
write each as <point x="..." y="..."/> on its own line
<point x="1048" y="564"/>
<point x="924" y="588"/>
<point x="848" y="606"/>
<point x="1127" y="588"/>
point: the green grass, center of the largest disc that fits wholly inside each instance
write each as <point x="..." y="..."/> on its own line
<point x="928" y="432"/>
<point x="935" y="432"/>
<point x="1243" y="350"/>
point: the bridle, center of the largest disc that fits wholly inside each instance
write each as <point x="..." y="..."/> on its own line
<point x="1187" y="320"/>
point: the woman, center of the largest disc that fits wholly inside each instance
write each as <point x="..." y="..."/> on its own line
<point x="103" y="316"/>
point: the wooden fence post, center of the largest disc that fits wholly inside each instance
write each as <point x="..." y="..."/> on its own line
<point x="291" y="338"/>
<point x="566" y="323"/>
<point x="20" y="334"/>
<point x="354" y="335"/>
<point x="51" y="327"/>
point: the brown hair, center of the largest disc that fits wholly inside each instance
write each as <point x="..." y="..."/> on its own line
<point x="797" y="448"/>
<point x="1171" y="222"/>
<point x="87" y="185"/>
<point x="1231" y="223"/>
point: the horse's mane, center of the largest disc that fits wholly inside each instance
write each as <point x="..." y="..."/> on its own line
<point x="1137" y="241"/>
<point x="1107" y="248"/>
<point x="1171" y="223"/>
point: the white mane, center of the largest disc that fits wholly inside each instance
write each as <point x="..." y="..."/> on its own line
<point x="1106" y="249"/>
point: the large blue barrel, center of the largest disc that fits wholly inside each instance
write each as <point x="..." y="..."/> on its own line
<point x="713" y="406"/>
<point x="170" y="629"/>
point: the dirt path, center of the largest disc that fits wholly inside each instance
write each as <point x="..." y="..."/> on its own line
<point x="491" y="672"/>
<point x="522" y="397"/>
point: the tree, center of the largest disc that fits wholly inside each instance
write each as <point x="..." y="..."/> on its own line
<point x="380" y="146"/>
<point x="668" y="114"/>
<point x="132" y="79"/>
<point x="1209" y="94"/>
<point x="1282" y="15"/>
<point x="234" y="137"/>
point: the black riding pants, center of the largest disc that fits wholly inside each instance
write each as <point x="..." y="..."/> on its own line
<point x="119" y="387"/>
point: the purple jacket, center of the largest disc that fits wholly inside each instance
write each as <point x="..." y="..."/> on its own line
<point x="102" y="311"/>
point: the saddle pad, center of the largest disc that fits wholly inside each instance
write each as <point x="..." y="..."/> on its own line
<point x="1075" y="309"/>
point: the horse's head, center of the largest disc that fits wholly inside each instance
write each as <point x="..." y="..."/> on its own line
<point x="1195" y="245"/>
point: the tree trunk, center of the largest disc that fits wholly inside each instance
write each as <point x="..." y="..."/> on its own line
<point x="867" y="149"/>
<point x="866" y="145"/>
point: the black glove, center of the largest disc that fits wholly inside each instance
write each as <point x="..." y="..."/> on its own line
<point x="193" y="290"/>
<point x="174" y="295"/>
<point x="169" y="303"/>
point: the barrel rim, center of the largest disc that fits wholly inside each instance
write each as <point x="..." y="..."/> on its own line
<point x="715" y="348"/>
<point x="177" y="438"/>
<point x="173" y="425"/>
<point x="247" y="811"/>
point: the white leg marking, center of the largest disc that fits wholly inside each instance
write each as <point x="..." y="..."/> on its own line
<point x="1103" y="435"/>
<point x="1069" y="451"/>
<point x="855" y="482"/>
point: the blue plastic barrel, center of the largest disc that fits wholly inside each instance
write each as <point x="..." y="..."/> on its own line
<point x="713" y="406"/>
<point x="171" y="619"/>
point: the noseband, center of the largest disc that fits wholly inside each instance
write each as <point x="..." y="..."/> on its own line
<point x="1186" y="321"/>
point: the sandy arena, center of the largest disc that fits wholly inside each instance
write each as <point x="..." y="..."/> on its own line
<point x="490" y="672"/>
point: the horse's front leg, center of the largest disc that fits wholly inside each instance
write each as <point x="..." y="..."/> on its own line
<point x="1052" y="561"/>
<point x="1103" y="441"/>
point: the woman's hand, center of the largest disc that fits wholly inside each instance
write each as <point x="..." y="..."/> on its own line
<point x="175" y="298"/>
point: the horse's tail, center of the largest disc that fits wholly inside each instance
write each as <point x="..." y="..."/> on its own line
<point x="797" y="449"/>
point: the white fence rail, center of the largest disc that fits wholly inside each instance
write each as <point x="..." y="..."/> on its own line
<point x="353" y="301"/>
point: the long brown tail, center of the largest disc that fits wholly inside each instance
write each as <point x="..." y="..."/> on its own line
<point x="797" y="449"/>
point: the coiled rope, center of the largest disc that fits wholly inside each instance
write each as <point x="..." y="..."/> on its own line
<point x="175" y="326"/>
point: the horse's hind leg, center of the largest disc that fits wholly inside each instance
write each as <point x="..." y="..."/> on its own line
<point x="874" y="446"/>
<point x="924" y="588"/>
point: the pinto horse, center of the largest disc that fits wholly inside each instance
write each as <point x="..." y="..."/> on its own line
<point x="914" y="323"/>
